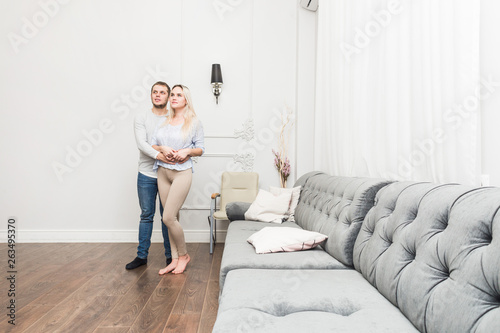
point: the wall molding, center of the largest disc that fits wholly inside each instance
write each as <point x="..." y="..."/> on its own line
<point x="195" y="207"/>
<point x="220" y="137"/>
<point x="247" y="133"/>
<point x="218" y="155"/>
<point x="246" y="161"/>
<point x="103" y="236"/>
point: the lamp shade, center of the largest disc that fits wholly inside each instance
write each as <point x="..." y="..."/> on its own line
<point x="216" y="74"/>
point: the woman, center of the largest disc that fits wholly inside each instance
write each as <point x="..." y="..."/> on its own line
<point x="179" y="138"/>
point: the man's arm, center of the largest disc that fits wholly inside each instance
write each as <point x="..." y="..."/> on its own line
<point x="141" y="137"/>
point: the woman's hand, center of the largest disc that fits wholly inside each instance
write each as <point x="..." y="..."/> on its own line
<point x="169" y="160"/>
<point x="167" y="151"/>
<point x="182" y="155"/>
<point x="172" y="156"/>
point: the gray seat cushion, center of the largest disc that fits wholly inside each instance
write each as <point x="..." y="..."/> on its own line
<point x="238" y="253"/>
<point x="305" y="301"/>
<point x="434" y="252"/>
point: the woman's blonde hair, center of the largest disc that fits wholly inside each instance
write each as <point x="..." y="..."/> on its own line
<point x="189" y="114"/>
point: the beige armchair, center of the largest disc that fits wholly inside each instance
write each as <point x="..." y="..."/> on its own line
<point x="235" y="186"/>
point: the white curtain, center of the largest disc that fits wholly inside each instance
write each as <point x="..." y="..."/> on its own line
<point x="398" y="89"/>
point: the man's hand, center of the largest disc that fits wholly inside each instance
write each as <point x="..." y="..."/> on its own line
<point x="163" y="158"/>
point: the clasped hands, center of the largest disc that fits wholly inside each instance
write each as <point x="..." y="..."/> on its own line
<point x="172" y="156"/>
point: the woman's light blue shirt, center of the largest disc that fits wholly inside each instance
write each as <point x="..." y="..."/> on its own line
<point x="171" y="136"/>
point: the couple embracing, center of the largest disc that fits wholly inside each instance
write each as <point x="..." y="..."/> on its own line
<point x="167" y="138"/>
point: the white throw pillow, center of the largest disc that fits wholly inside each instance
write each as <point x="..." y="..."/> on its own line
<point x="268" y="207"/>
<point x="284" y="239"/>
<point x="290" y="214"/>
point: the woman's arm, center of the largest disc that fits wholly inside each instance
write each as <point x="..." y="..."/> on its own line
<point x="167" y="151"/>
<point x="184" y="154"/>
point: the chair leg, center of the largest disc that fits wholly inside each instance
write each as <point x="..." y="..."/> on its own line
<point x="210" y="221"/>
<point x="215" y="230"/>
<point x="213" y="224"/>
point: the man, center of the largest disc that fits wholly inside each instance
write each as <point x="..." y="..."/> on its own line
<point x="147" y="187"/>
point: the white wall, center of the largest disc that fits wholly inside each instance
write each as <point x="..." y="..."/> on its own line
<point x="75" y="73"/>
<point x="490" y="106"/>
<point x="71" y="68"/>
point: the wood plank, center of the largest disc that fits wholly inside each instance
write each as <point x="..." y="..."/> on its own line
<point x="210" y="307"/>
<point x="70" y="283"/>
<point x="191" y="297"/>
<point x="25" y="317"/>
<point x="49" y="277"/>
<point x="216" y="262"/>
<point x="157" y="310"/>
<point x="69" y="308"/>
<point x="211" y="304"/>
<point x="89" y="317"/>
<point x="185" y="323"/>
<point x="27" y="264"/>
<point x="72" y="276"/>
<point x="193" y="292"/>
<point x="111" y="330"/>
<point x="32" y="286"/>
<point x="131" y="304"/>
<point x="118" y="280"/>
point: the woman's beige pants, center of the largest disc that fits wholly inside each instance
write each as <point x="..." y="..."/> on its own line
<point x="173" y="187"/>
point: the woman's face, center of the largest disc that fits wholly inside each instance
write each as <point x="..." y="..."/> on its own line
<point x="177" y="100"/>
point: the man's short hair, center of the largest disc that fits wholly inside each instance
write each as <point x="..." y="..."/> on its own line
<point x="161" y="83"/>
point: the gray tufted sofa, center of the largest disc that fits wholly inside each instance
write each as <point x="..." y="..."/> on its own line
<point x="400" y="257"/>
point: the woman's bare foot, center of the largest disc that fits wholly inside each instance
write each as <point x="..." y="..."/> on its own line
<point x="170" y="267"/>
<point x="181" y="266"/>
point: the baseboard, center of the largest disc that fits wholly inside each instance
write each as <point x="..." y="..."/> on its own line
<point x="102" y="236"/>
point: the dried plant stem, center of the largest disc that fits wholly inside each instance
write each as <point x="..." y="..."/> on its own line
<point x="283" y="143"/>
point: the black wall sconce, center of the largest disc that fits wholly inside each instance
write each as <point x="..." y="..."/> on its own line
<point x="216" y="81"/>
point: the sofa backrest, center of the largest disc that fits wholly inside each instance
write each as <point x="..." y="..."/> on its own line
<point x="434" y="252"/>
<point x="336" y="207"/>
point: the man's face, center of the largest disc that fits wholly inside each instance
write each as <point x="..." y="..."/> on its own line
<point x="159" y="96"/>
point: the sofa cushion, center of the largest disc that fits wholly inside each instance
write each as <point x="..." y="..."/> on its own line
<point x="268" y="207"/>
<point x="336" y="207"/>
<point x="434" y="252"/>
<point x="305" y="301"/>
<point x="236" y="210"/>
<point x="272" y="240"/>
<point x="239" y="254"/>
<point x="295" y="193"/>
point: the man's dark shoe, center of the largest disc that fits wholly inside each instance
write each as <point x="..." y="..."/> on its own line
<point x="168" y="261"/>
<point x="136" y="263"/>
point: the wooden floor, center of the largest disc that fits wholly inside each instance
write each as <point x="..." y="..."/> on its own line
<point x="84" y="287"/>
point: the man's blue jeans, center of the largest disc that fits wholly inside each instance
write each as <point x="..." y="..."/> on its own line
<point x="147" y="189"/>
